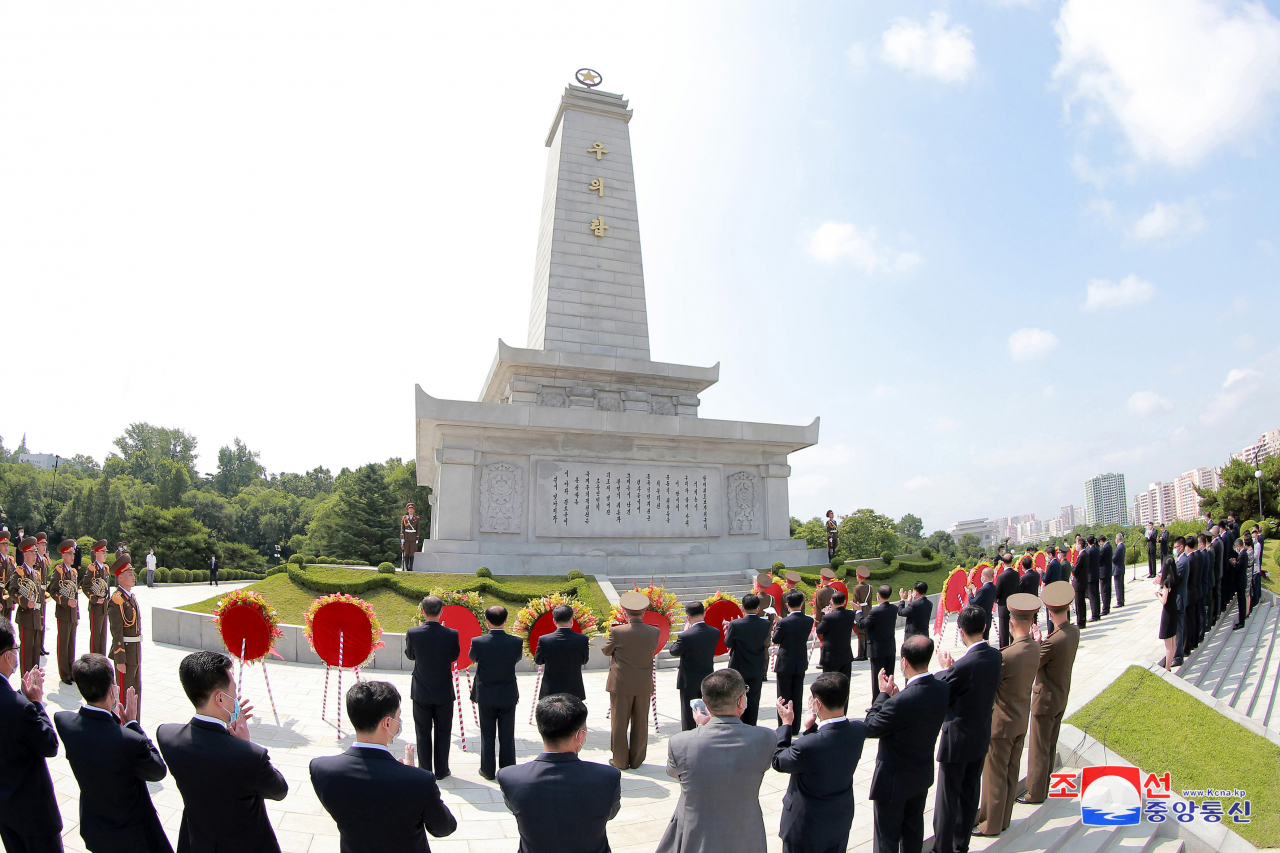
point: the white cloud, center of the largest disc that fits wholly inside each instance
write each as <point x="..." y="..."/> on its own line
<point x="834" y="241"/>
<point x="857" y="54"/>
<point x="1130" y="290"/>
<point x="1026" y="344"/>
<point x="944" y="425"/>
<point x="931" y="49"/>
<point x="918" y="482"/>
<point x="1241" y="374"/>
<point x="1147" y="403"/>
<point x="1180" y="77"/>
<point x="1164" y="220"/>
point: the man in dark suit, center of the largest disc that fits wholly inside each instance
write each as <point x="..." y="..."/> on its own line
<point x="1052" y="574"/>
<point x="1163" y="539"/>
<point x="748" y="642"/>
<point x="695" y="647"/>
<point x="562" y="654"/>
<point x="878" y="625"/>
<point x="495" y="691"/>
<point x="434" y="650"/>
<point x="916" y="609"/>
<point x="223" y="777"/>
<point x="1106" y="567"/>
<point x="29" y="818"/>
<point x="1215" y="590"/>
<point x="113" y="760"/>
<point x="835" y="630"/>
<point x="817" y="809"/>
<point x="378" y="802"/>
<point x="1080" y="581"/>
<point x="972" y="678"/>
<point x="1006" y="585"/>
<point x="540" y="793"/>
<point x="1117" y="569"/>
<point x="1191" y="631"/>
<point x="1095" y="595"/>
<point x="1030" y="580"/>
<point x="984" y="598"/>
<point x="907" y="722"/>
<point x="791" y="636"/>
<point x="1152" y="541"/>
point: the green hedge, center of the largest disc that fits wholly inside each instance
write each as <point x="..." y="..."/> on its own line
<point x="914" y="566"/>
<point x="514" y="591"/>
<point x="334" y="561"/>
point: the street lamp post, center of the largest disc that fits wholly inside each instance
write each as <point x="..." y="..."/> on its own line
<point x="1257" y="475"/>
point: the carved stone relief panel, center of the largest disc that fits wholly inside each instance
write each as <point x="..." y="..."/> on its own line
<point x="501" y="498"/>
<point x="743" y="502"/>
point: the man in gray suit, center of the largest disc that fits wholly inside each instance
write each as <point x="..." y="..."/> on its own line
<point x="720" y="766"/>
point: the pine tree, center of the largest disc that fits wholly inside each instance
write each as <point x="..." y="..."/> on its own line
<point x="358" y="521"/>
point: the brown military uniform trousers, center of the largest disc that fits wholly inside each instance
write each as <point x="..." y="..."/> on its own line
<point x="633" y="711"/>
<point x="1043" y="754"/>
<point x="66" y="647"/>
<point x="1000" y="784"/>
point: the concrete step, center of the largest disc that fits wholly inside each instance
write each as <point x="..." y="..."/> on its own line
<point x="1261" y="632"/>
<point x="1198" y="663"/>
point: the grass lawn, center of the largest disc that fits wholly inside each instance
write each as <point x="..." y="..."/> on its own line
<point x="1158" y="727"/>
<point x="898" y="580"/>
<point x="1269" y="563"/>
<point x="396" y="612"/>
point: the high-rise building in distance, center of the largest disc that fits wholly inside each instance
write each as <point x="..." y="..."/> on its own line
<point x="1105" y="500"/>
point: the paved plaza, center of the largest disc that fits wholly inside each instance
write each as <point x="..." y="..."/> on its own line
<point x="484" y="824"/>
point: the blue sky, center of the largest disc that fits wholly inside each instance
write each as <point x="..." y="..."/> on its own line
<point x="270" y="222"/>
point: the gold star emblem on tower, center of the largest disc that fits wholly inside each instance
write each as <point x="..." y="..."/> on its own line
<point x="588" y="77"/>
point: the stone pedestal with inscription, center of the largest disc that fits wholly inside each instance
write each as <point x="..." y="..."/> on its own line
<point x="581" y="452"/>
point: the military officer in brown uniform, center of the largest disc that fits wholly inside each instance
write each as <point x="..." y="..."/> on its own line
<point x="126" y="629"/>
<point x="42" y="560"/>
<point x="94" y="587"/>
<point x="861" y="602"/>
<point x="64" y="590"/>
<point x="1019" y="662"/>
<point x="410" y="524"/>
<point x="27" y="591"/>
<point x="1053" y="686"/>
<point x="7" y="568"/>
<point x="822" y="596"/>
<point x="633" y="648"/>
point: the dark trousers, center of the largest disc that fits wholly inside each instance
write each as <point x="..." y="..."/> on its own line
<point x="846" y="669"/>
<point x="1242" y="595"/>
<point x="1180" y="645"/>
<point x="878" y="664"/>
<point x="1081" y="590"/>
<point x="687" y="723"/>
<point x="838" y="845"/>
<point x="1095" y="601"/>
<point x="791" y="689"/>
<point x="433" y="746"/>
<point x="1151" y="564"/>
<point x="1003" y="613"/>
<point x="15" y="843"/>
<point x="1118" y="580"/>
<point x="29" y="651"/>
<point x="862" y="646"/>
<point x="753" y="701"/>
<point x="1202" y="619"/>
<point x="1214" y="605"/>
<point x="500" y="723"/>
<point x="1104" y="587"/>
<point x="899" y="824"/>
<point x="213" y="577"/>
<point x="955" y="804"/>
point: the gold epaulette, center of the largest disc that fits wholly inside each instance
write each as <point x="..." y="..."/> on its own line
<point x="117" y="598"/>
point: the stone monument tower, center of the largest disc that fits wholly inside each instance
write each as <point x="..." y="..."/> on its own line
<point x="581" y="452"/>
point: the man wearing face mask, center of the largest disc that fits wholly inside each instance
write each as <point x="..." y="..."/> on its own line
<point x="222" y="775"/>
<point x="113" y="760"/>
<point x="378" y="802"/>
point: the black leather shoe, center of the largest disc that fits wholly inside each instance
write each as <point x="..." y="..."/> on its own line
<point x="1027" y="802"/>
<point x="486" y="776"/>
<point x="444" y="775"/>
<point x="977" y="834"/>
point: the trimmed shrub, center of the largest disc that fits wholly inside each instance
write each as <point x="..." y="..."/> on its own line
<point x="887" y="557"/>
<point x="200" y="576"/>
<point x="483" y="572"/>
<point x="297" y="560"/>
<point x="162" y="574"/>
<point x="415" y="586"/>
<point x="777" y="567"/>
<point x="307" y="559"/>
<point x="879" y="574"/>
<point x="180" y="576"/>
<point x="386" y="569"/>
<point x="575" y="574"/>
<point x="275" y="570"/>
<point x="914" y="566"/>
<point x="926" y="553"/>
<point x="842" y="573"/>
<point x="837" y="563"/>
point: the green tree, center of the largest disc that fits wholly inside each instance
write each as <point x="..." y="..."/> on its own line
<point x="178" y="539"/>
<point x="910" y="527"/>
<point x="813" y="531"/>
<point x="143" y="447"/>
<point x="358" y="521"/>
<point x="866" y="533"/>
<point x="1239" y="492"/>
<point x="213" y="511"/>
<point x="402" y="479"/>
<point x="316" y="483"/>
<point x="173" y="484"/>
<point x="969" y="547"/>
<point x="96" y="509"/>
<point x="942" y="543"/>
<point x="238" y="466"/>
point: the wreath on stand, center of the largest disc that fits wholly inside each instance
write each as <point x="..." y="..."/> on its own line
<point x="249" y="628"/>
<point x="661" y="602"/>
<point x="528" y="617"/>
<point x="722" y="608"/>
<point x="344" y="631"/>
<point x="469" y="600"/>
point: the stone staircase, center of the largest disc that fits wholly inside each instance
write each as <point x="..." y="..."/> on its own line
<point x="1055" y="827"/>
<point x="1240" y="668"/>
<point x="690" y="588"/>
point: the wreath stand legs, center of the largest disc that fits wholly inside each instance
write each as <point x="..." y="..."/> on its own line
<point x="537" y="684"/>
<point x="462" y="725"/>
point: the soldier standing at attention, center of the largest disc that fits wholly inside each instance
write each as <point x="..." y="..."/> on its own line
<point x="126" y="630"/>
<point x="1053" y="686"/>
<point x="822" y="595"/>
<point x="63" y="588"/>
<point x="94" y="587"/>
<point x="633" y="648"/>
<point x="43" y="563"/>
<point x="7" y="568"/>
<point x="861" y="603"/>
<point x="833" y="535"/>
<point x="410" y="524"/>
<point x="26" y="589"/>
<point x="1019" y="662"/>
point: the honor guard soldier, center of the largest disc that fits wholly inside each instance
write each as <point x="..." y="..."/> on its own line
<point x="1053" y="686"/>
<point x="833" y="535"/>
<point x="860" y="604"/>
<point x="44" y="564"/>
<point x="7" y="568"/>
<point x="65" y="592"/>
<point x="27" y="591"/>
<point x="1019" y="662"/>
<point x="632" y="647"/>
<point x="410" y="524"/>
<point x="822" y="596"/>
<point x="94" y="587"/>
<point x="126" y="630"/>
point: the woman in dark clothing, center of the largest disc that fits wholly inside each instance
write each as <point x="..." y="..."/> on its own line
<point x="1168" y="595"/>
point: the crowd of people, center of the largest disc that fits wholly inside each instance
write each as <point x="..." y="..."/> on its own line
<point x="974" y="717"/>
